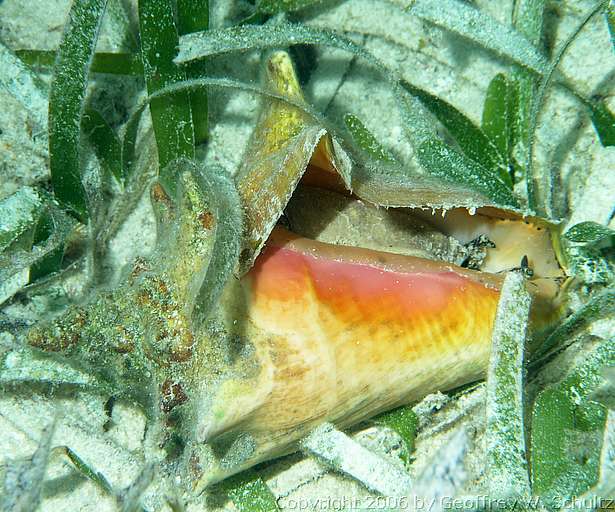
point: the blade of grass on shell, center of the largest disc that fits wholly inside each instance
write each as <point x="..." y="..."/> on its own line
<point x="193" y="16"/>
<point x="402" y="186"/>
<point x="199" y="45"/>
<point x="171" y="116"/>
<point x="105" y="142"/>
<point x="567" y="428"/>
<point x="66" y="103"/>
<point x="23" y="84"/>
<point x="364" y="138"/>
<point x="103" y="62"/>
<point x="471" y="139"/>
<point x="498" y="123"/>
<point x="469" y="22"/>
<point x="249" y="493"/>
<point x="506" y="468"/>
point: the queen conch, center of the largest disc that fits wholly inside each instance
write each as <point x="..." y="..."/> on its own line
<point x="340" y="312"/>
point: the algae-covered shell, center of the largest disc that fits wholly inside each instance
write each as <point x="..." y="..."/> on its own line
<point x="338" y="332"/>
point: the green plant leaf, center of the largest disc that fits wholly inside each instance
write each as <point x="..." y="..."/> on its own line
<point x="249" y="492"/>
<point x="364" y="138"/>
<point x="171" y="116"/>
<point x="604" y="123"/>
<point x="506" y="468"/>
<point x="471" y="23"/>
<point x="610" y="20"/>
<point x="403" y="421"/>
<point x="66" y="103"/>
<point x="83" y="468"/>
<point x="595" y="309"/>
<point x="105" y="142"/>
<point x="19" y="213"/>
<point x="46" y="251"/>
<point x="588" y="233"/>
<point x="528" y="19"/>
<point x="471" y="139"/>
<point x="277" y="6"/>
<point x="24" y="86"/>
<point x="499" y="119"/>
<point x="193" y="16"/>
<point x="449" y="165"/>
<point x="129" y="140"/>
<point x="103" y="62"/>
<point x="567" y="429"/>
<point x="52" y="262"/>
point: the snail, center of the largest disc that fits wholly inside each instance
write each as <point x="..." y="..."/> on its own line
<point x="322" y="322"/>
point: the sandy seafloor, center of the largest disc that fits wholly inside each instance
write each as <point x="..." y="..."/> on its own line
<point x="426" y="56"/>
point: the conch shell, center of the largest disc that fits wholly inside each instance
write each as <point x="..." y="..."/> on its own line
<point x="316" y="325"/>
<point x="339" y="333"/>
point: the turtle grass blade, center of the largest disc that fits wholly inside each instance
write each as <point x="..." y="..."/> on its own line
<point x="540" y="190"/>
<point x="19" y="213"/>
<point x="278" y="6"/>
<point x="103" y="62"/>
<point x="22" y="483"/>
<point x="404" y="422"/>
<point x="506" y="468"/>
<point x="365" y="139"/>
<point x="19" y="259"/>
<point x="193" y="16"/>
<point x="171" y="116"/>
<point x="563" y="418"/>
<point x="249" y="493"/>
<point x="24" y="86"/>
<point x="610" y="19"/>
<point x="596" y="307"/>
<point x="52" y="262"/>
<point x="472" y="140"/>
<point x="588" y="233"/>
<point x="449" y="165"/>
<point x="105" y="142"/>
<point x="499" y="120"/>
<point x="471" y="23"/>
<point x="83" y="468"/>
<point x="604" y="123"/>
<point x="528" y="19"/>
<point x="66" y="103"/>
